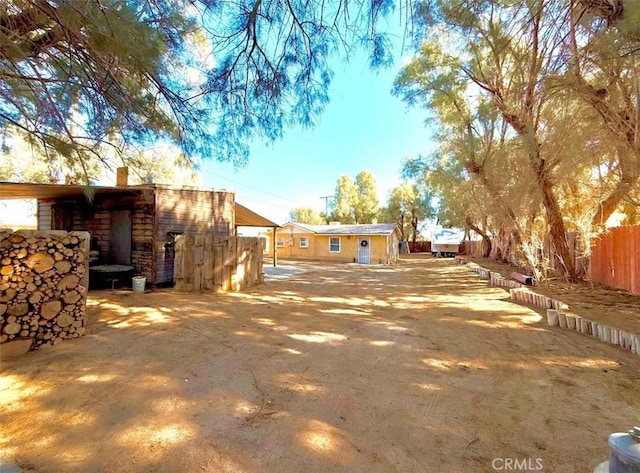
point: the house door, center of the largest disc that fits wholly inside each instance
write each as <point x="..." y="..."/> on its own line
<point x="62" y="217"/>
<point x="364" y="251"/>
<point x="120" y="237"/>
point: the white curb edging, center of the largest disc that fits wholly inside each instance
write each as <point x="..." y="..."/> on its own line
<point x="555" y="310"/>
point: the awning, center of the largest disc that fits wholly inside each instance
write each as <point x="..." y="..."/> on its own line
<point x="24" y="190"/>
<point x="248" y="218"/>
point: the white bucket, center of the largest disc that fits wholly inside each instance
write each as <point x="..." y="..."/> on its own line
<point x="138" y="283"/>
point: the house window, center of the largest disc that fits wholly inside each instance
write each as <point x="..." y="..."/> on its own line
<point x="280" y="243"/>
<point x="334" y="245"/>
<point x="304" y="242"/>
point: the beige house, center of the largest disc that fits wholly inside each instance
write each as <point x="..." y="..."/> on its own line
<point x="362" y="243"/>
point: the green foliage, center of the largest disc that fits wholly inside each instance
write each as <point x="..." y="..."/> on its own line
<point x="344" y="200"/>
<point x="355" y="201"/>
<point x="160" y="164"/>
<point x="306" y="215"/>
<point x="366" y="206"/>
<point x="87" y="78"/>
<point x="534" y="117"/>
<point x="408" y="205"/>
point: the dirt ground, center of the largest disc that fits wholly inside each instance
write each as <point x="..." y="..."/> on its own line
<point x="614" y="307"/>
<point x="417" y="367"/>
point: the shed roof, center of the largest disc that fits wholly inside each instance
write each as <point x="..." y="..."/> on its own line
<point x="353" y="229"/>
<point x="248" y="218"/>
<point x="30" y="190"/>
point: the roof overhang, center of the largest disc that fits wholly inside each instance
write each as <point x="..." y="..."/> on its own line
<point x="248" y="218"/>
<point x="28" y="190"/>
<point x="19" y="190"/>
<point x="345" y="230"/>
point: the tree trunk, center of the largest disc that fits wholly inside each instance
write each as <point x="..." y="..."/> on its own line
<point x="486" y="241"/>
<point x="414" y="228"/>
<point x="557" y="229"/>
<point x="539" y="165"/>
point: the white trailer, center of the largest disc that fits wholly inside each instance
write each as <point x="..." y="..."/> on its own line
<point x="446" y="242"/>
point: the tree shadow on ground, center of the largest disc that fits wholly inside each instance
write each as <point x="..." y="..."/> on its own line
<point x="415" y="367"/>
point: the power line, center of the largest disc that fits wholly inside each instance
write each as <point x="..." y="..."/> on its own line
<point x="326" y="203"/>
<point x="262" y="191"/>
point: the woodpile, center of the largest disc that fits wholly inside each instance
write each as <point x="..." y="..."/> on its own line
<point x="43" y="286"/>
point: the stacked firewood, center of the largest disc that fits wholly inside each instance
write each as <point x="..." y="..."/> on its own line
<point x="43" y="286"/>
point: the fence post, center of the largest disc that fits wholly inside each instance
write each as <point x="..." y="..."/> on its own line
<point x="183" y="264"/>
<point x="218" y="264"/>
<point x="208" y="263"/>
<point x="198" y="261"/>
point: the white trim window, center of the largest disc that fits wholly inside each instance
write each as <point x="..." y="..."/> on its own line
<point x="304" y="242"/>
<point x="334" y="245"/>
<point x="280" y="242"/>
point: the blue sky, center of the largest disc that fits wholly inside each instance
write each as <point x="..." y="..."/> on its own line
<point x="363" y="127"/>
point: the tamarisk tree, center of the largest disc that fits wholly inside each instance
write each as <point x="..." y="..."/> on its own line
<point x="207" y="75"/>
<point x="558" y="78"/>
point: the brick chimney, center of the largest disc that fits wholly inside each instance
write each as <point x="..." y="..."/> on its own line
<point x="122" y="176"/>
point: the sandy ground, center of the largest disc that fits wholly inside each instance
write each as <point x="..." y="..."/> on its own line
<point x="614" y="307"/>
<point x="417" y="367"/>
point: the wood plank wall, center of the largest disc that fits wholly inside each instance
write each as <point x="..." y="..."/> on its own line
<point x="94" y="217"/>
<point x="615" y="259"/>
<point x="215" y="263"/>
<point x="189" y="212"/>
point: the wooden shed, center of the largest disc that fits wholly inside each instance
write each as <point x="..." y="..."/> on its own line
<point x="134" y="225"/>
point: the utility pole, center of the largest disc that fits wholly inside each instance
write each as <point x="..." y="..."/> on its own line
<point x="326" y="203"/>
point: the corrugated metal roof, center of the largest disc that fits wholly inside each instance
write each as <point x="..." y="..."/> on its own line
<point x="248" y="218"/>
<point x="352" y="229"/>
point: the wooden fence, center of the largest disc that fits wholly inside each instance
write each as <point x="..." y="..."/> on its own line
<point x="547" y="253"/>
<point x="471" y="248"/>
<point x="217" y="263"/>
<point x="615" y="259"/>
<point x="420" y="247"/>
